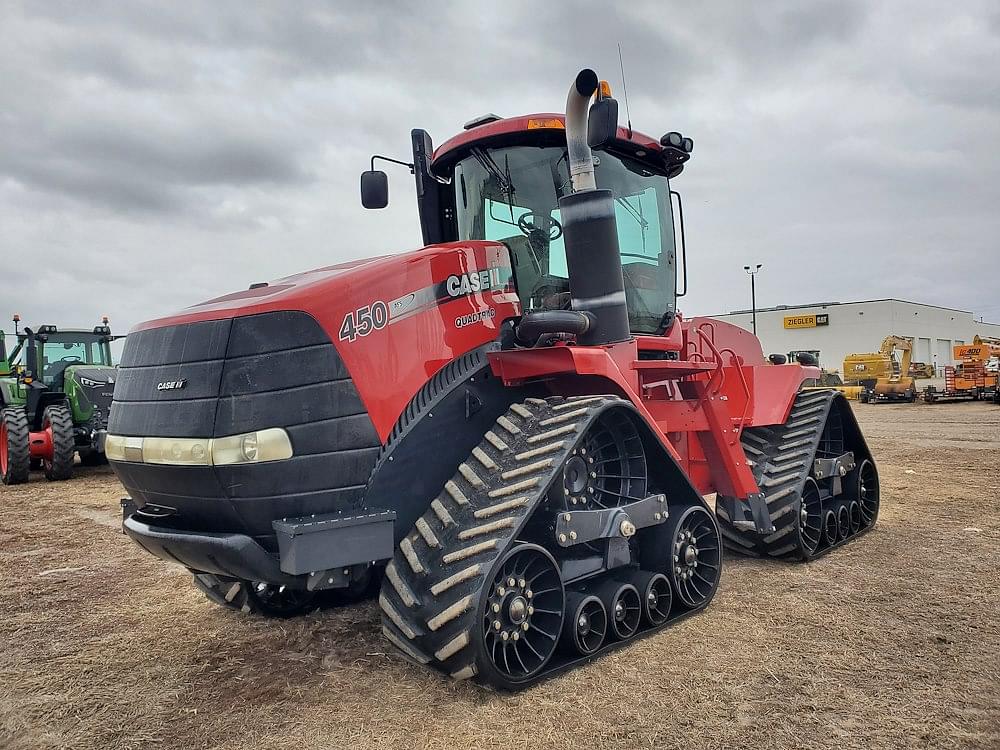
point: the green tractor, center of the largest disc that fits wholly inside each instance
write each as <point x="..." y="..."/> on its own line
<point x="55" y="392"/>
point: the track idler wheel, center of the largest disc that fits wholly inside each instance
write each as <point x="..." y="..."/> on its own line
<point x="657" y="596"/>
<point x="624" y="608"/>
<point x="868" y="493"/>
<point x="697" y="556"/>
<point x="843" y="523"/>
<point x="830" y="531"/>
<point x="523" y="612"/>
<point x="586" y="623"/>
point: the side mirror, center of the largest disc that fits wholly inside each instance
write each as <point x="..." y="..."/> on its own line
<point x="374" y="189"/>
<point x="602" y="123"/>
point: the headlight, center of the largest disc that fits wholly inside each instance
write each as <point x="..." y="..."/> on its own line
<point x="252" y="448"/>
<point x="262" y="446"/>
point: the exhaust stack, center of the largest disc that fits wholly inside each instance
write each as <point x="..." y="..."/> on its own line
<point x="590" y="230"/>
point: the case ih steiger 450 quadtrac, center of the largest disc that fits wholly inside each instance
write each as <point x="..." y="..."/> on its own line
<point x="55" y="394"/>
<point x="513" y="426"/>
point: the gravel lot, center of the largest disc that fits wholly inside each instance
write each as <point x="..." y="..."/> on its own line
<point x="894" y="642"/>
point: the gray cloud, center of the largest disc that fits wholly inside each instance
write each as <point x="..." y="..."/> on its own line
<point x="159" y="154"/>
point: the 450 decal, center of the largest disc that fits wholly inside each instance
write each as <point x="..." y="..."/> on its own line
<point x="364" y="320"/>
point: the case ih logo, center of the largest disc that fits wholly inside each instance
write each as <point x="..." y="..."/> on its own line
<point x="171" y="385"/>
<point x="467" y="283"/>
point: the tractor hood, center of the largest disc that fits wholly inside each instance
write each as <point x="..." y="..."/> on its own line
<point x="394" y="320"/>
<point x="330" y="357"/>
<point x="280" y="294"/>
<point x="90" y="389"/>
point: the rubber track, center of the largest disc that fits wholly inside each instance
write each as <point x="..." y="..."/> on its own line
<point x="18" y="458"/>
<point x="63" y="443"/>
<point x="782" y="457"/>
<point x="430" y="593"/>
<point x="235" y="595"/>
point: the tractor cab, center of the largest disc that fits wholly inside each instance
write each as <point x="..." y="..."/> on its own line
<point x="502" y="180"/>
<point x="60" y="350"/>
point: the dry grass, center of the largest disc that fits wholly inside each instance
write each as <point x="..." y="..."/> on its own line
<point x="894" y="642"/>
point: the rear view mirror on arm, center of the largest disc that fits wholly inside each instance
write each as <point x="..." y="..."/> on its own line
<point x="374" y="189"/>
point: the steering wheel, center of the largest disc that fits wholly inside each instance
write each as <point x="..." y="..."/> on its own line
<point x="72" y="358"/>
<point x="535" y="222"/>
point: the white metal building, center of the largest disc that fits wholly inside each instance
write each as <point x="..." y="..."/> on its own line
<point x="836" y="329"/>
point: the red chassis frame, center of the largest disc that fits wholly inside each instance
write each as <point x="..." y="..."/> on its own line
<point x="719" y="385"/>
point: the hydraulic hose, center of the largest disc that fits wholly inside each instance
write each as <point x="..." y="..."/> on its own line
<point x="581" y="162"/>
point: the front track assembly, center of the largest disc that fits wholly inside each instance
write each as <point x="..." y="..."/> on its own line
<point x="553" y="543"/>
<point x="818" y="479"/>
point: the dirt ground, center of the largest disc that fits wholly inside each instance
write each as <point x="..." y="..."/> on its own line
<point x="894" y="642"/>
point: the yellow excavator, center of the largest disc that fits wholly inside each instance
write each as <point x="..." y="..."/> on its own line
<point x="881" y="375"/>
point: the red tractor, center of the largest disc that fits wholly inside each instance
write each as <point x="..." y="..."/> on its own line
<point x="512" y="429"/>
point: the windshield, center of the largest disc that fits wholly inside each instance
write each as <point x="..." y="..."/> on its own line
<point x="511" y="195"/>
<point x="64" y="349"/>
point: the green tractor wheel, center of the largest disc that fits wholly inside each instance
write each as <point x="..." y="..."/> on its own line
<point x="58" y="421"/>
<point x="14" y="451"/>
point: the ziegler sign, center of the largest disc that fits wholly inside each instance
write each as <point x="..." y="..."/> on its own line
<point x="806" y="321"/>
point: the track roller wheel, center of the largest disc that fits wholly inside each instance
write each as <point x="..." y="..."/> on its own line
<point x="256" y="597"/>
<point x="867" y="493"/>
<point x="855" y="511"/>
<point x="586" y="623"/>
<point x="697" y="556"/>
<point x="14" y="450"/>
<point x="830" y="532"/>
<point x="624" y="608"/>
<point x="810" y="518"/>
<point x="843" y="523"/>
<point x="58" y="422"/>
<point x="523" y="612"/>
<point x="657" y="596"/>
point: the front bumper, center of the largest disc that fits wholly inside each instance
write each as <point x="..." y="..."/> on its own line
<point x="315" y="551"/>
<point x="231" y="555"/>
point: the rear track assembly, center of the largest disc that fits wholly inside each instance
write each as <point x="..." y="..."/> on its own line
<point x="818" y="478"/>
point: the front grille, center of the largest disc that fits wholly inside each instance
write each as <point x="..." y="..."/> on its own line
<point x="240" y="375"/>
<point x="93" y="387"/>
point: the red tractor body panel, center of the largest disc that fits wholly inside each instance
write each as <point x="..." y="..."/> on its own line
<point x="720" y="386"/>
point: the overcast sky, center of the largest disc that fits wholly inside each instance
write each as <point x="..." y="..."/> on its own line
<point x="158" y="154"/>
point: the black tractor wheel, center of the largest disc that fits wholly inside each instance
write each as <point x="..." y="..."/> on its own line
<point x="14" y="450"/>
<point x="59" y="422"/>
<point x="255" y="597"/>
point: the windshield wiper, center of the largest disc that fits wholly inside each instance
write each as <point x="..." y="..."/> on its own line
<point x="635" y="213"/>
<point x="503" y="180"/>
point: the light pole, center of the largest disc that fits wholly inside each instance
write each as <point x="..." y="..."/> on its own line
<point x="752" y="271"/>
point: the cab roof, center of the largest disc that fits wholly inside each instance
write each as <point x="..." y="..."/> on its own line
<point x="529" y="127"/>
